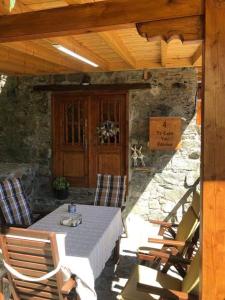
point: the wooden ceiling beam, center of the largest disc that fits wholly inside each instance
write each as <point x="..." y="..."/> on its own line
<point x="170" y="63"/>
<point x="114" y="41"/>
<point x="197" y="57"/>
<point x="187" y="29"/>
<point x="92" y="87"/>
<point x="93" y="17"/>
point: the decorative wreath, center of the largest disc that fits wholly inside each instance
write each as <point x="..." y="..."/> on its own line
<point x="107" y="130"/>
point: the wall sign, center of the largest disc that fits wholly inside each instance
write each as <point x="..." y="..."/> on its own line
<point x="165" y="133"/>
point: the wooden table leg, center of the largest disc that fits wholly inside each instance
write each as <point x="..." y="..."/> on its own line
<point x="116" y="254"/>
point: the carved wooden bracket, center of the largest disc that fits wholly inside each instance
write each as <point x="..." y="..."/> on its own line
<point x="187" y="29"/>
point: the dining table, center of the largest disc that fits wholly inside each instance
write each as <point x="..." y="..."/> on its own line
<point x="84" y="250"/>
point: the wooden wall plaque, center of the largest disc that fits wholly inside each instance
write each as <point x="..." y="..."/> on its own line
<point x="165" y="133"/>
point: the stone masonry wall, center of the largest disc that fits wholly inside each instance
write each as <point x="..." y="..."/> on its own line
<point x="25" y="134"/>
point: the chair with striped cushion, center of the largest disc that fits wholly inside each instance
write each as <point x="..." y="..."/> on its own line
<point x="110" y="190"/>
<point x="14" y="203"/>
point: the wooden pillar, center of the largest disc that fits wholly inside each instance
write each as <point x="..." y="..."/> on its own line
<point x="213" y="207"/>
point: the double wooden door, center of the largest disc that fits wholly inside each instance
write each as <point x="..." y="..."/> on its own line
<point x="80" y="151"/>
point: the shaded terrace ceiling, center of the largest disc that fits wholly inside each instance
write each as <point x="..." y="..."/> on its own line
<point x="113" y="50"/>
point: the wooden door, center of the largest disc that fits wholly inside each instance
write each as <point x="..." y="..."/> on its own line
<point x="79" y="152"/>
<point x="108" y="155"/>
<point x="70" y="149"/>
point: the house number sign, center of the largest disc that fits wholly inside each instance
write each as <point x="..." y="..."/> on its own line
<point x="165" y="133"/>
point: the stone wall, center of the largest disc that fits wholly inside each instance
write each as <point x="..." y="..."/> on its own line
<point x="25" y="134"/>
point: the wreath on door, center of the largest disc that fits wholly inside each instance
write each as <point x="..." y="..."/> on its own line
<point x="106" y="130"/>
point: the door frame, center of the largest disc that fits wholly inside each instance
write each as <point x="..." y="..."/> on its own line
<point x="90" y="94"/>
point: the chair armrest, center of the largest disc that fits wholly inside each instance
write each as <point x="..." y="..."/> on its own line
<point x="68" y="286"/>
<point x="164" y="293"/>
<point x="162" y="223"/>
<point x="167" y="242"/>
<point x="164" y="256"/>
<point x="152" y="254"/>
<point x="8" y="225"/>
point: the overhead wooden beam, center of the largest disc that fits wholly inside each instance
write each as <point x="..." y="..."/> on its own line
<point x="164" y="52"/>
<point x="197" y="57"/>
<point x="114" y="41"/>
<point x="213" y="164"/>
<point x="92" y="87"/>
<point x="93" y="17"/>
<point x="187" y="29"/>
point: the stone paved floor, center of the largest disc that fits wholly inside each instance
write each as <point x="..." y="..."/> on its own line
<point x="114" y="277"/>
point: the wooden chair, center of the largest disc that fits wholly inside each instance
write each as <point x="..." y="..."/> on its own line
<point x="182" y="245"/>
<point x="170" y="229"/>
<point x="34" y="254"/>
<point x="164" y="259"/>
<point x="148" y="284"/>
<point x="15" y="208"/>
<point x="110" y="191"/>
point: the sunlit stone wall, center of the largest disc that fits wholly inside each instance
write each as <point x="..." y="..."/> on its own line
<point x="25" y="135"/>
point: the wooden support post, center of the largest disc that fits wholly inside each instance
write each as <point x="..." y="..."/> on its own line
<point x="213" y="207"/>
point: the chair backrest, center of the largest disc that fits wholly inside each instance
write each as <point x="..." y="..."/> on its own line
<point x="189" y="222"/>
<point x="14" y="203"/>
<point x="190" y="282"/>
<point x="34" y="254"/>
<point x="110" y="190"/>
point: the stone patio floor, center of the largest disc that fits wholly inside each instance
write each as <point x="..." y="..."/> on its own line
<point x="114" y="277"/>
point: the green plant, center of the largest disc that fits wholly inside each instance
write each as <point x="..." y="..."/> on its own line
<point x="60" y="183"/>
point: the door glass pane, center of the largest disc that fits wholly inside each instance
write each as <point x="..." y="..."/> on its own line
<point x="74" y="123"/>
<point x="68" y="124"/>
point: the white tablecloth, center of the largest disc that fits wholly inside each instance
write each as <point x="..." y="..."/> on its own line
<point x="85" y="249"/>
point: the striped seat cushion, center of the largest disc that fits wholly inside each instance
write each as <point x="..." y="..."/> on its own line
<point x="110" y="190"/>
<point x="14" y="203"/>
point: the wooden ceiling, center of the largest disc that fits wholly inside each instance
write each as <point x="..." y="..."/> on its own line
<point x="113" y="50"/>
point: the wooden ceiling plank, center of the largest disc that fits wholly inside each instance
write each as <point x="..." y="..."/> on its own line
<point x="34" y="65"/>
<point x="197" y="57"/>
<point x="37" y="51"/>
<point x="93" y="17"/>
<point x="164" y="53"/>
<point x="73" y="45"/>
<point x="114" y="41"/>
<point x="187" y="29"/>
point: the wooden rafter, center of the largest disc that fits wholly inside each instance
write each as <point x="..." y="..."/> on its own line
<point x="187" y="29"/>
<point x="197" y="57"/>
<point x="82" y="18"/>
<point x="114" y="41"/>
